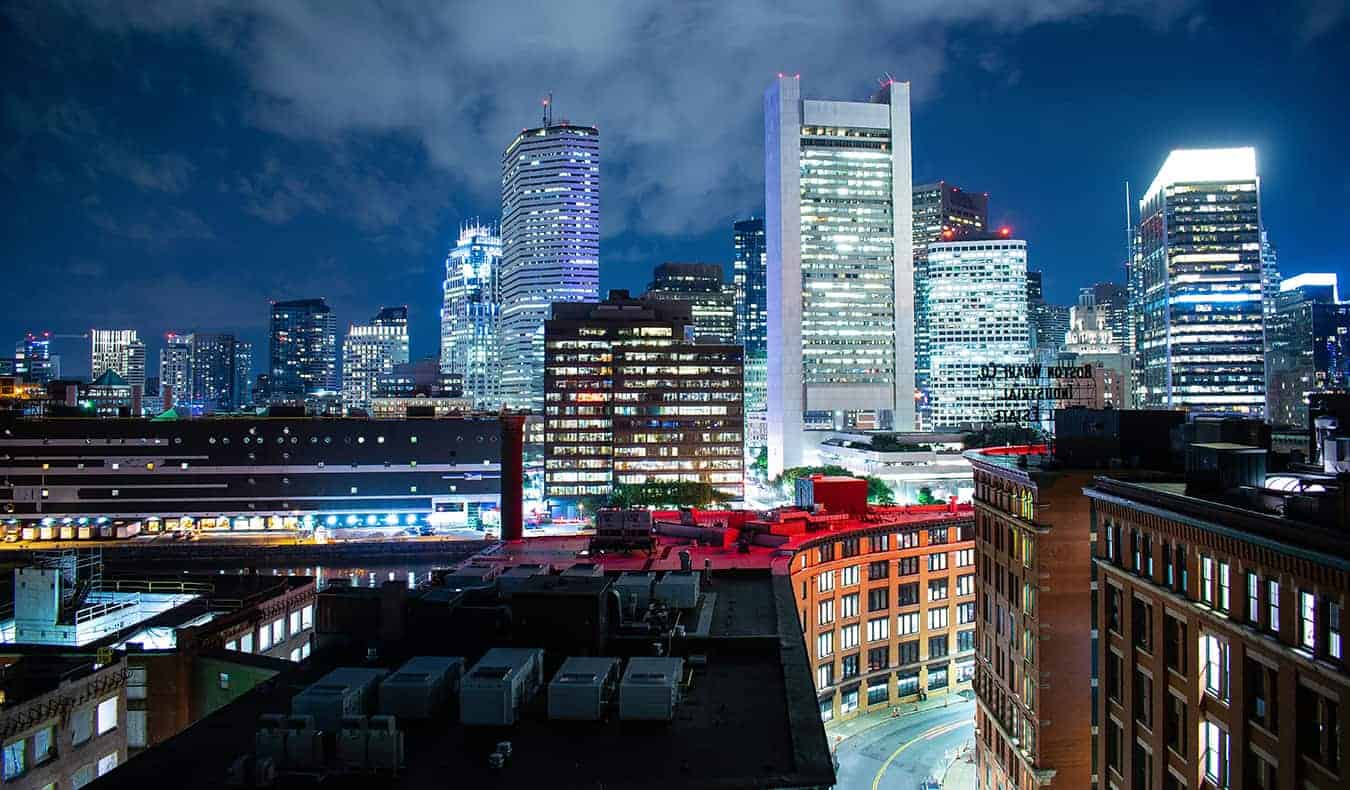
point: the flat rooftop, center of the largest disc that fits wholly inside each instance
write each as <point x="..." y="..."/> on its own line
<point x="1225" y="514"/>
<point x="562" y="552"/>
<point x="748" y="718"/>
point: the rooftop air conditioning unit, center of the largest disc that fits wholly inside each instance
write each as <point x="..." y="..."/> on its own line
<point x="582" y="688"/>
<point x="384" y="745"/>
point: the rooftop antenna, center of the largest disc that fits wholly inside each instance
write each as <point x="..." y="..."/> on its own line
<point x="1129" y="228"/>
<point x="548" y="109"/>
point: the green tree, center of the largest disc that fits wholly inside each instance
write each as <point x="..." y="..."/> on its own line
<point x="878" y="492"/>
<point x="760" y="466"/>
<point x="925" y="496"/>
<point x="667" y="495"/>
<point x="890" y="443"/>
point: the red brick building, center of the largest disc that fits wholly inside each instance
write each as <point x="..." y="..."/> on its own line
<point x="1221" y="656"/>
<point x="1033" y="670"/>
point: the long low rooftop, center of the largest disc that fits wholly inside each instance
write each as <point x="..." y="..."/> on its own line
<point x="747" y="716"/>
<point x="797" y="528"/>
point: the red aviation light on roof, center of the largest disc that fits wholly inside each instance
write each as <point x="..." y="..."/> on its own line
<point x="947" y="233"/>
<point x="1005" y="231"/>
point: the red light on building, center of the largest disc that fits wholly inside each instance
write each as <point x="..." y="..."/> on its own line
<point x="1005" y="231"/>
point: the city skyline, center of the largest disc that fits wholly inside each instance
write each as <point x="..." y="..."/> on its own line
<point x="275" y="216"/>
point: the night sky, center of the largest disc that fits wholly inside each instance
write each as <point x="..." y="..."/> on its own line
<point x="173" y="169"/>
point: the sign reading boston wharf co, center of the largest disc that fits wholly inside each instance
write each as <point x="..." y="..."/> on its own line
<point x="1026" y="395"/>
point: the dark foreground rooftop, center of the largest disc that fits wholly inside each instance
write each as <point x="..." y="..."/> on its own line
<point x="748" y="717"/>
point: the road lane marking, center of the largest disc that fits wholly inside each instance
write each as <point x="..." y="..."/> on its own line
<point x="941" y="729"/>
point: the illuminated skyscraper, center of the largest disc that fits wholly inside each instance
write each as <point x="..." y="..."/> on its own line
<point x="119" y="350"/>
<point x="750" y="278"/>
<point x="711" y="299"/>
<point x="1308" y="337"/>
<point x="838" y="227"/>
<point x="33" y="358"/>
<point x="469" y="314"/>
<point x="977" y="291"/>
<point x="243" y="374"/>
<point x="302" y="348"/>
<point x="213" y="373"/>
<point x="1202" y="272"/>
<point x="372" y="350"/>
<point x="1113" y="299"/>
<point x="942" y="212"/>
<point x="550" y="245"/>
<point x="175" y="368"/>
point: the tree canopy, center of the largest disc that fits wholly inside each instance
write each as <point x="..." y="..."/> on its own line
<point x="878" y="492"/>
<point x="666" y="495"/>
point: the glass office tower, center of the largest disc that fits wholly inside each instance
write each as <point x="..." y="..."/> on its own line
<point x="175" y="368"/>
<point x="703" y="286"/>
<point x="213" y="373"/>
<point x="550" y="245"/>
<point x="1202" y="341"/>
<point x="978" y="307"/>
<point x="1308" y="335"/>
<point x="942" y="212"/>
<point x="372" y="350"/>
<point x="302" y="347"/>
<point x="749" y="276"/>
<point x="838" y="227"/>
<point x="470" y="312"/>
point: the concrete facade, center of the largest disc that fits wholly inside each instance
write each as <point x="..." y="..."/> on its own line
<point x="834" y="347"/>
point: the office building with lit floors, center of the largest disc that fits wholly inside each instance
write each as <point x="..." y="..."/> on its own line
<point x="1221" y="620"/>
<point x="942" y="212"/>
<point x="550" y="245"/>
<point x="749" y="278"/>
<point x="711" y="299"/>
<point x="631" y="400"/>
<point x="837" y="222"/>
<point x="1201" y="274"/>
<point x="302" y="351"/>
<point x="1033" y="635"/>
<point x="977" y="323"/>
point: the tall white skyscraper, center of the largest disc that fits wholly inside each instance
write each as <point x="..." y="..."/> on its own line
<point x="980" y="334"/>
<point x="469" y="314"/>
<point x="372" y="349"/>
<point x="550" y="245"/>
<point x="1202" y="274"/>
<point x="175" y="368"/>
<point x="838" y="225"/>
<point x="118" y="350"/>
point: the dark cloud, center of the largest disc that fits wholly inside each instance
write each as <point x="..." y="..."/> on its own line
<point x="674" y="87"/>
<point x="159" y="172"/>
<point x="153" y="227"/>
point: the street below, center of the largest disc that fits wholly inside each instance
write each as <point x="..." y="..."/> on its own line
<point x="901" y="753"/>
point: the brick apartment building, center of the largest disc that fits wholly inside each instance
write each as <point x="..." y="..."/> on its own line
<point x="886" y="599"/>
<point x="1034" y="634"/>
<point x="63" y="719"/>
<point x="1221" y="657"/>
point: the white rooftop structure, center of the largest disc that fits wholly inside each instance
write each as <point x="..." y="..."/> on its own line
<point x="1200" y="165"/>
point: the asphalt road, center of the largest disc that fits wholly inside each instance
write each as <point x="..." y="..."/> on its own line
<point x="900" y="753"/>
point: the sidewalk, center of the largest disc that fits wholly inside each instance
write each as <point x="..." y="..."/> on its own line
<point x="961" y="774"/>
<point x="843" y="730"/>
